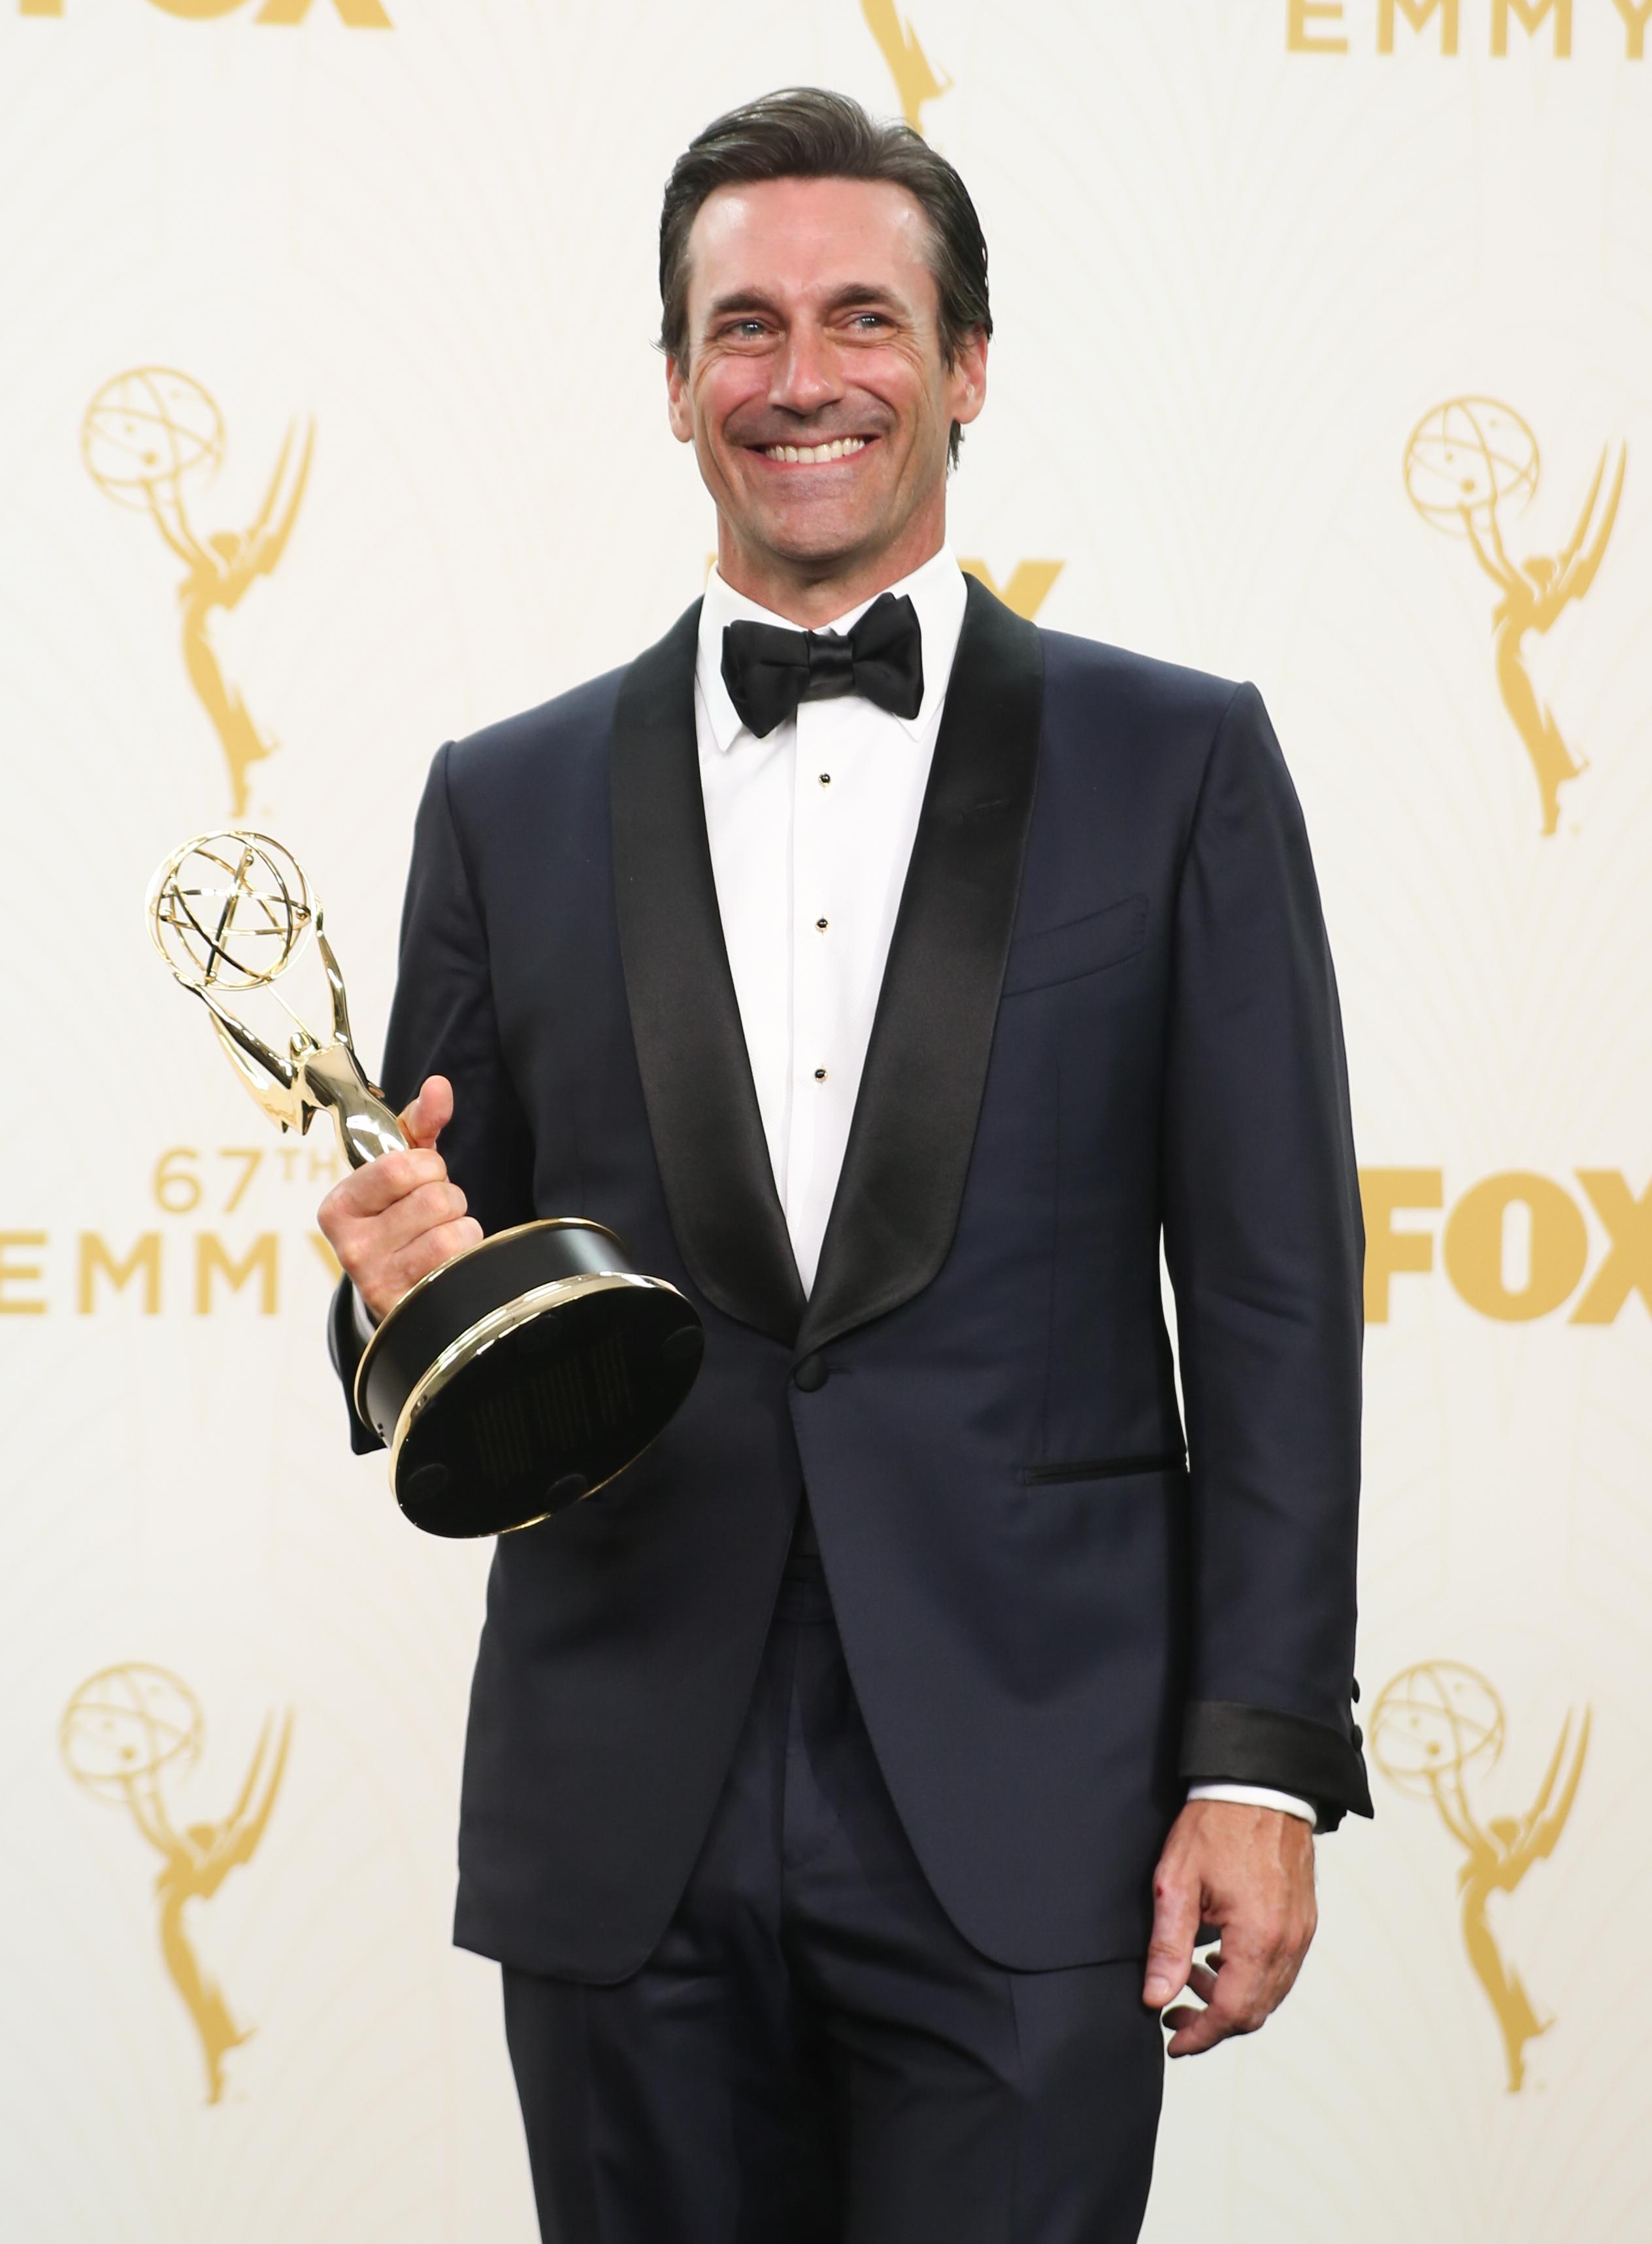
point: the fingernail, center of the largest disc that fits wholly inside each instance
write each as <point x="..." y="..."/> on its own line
<point x="1158" y="1991"/>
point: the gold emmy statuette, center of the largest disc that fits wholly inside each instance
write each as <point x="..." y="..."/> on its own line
<point x="1429" y="1727"/>
<point x="1466" y="463"/>
<point x="127" y="1732"/>
<point x="521" y="1376"/>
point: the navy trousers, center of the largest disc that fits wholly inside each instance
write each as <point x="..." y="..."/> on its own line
<point x="812" y="2054"/>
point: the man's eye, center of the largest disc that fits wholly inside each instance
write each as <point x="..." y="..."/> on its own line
<point x="870" y="320"/>
<point x="745" y="329"/>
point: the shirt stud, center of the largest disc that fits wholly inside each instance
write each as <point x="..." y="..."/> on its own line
<point x="819" y="1075"/>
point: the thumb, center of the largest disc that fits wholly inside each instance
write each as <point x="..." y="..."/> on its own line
<point x="430" y="1112"/>
<point x="1175" y="1924"/>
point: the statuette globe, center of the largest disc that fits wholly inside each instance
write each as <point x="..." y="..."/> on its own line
<point x="230" y="910"/>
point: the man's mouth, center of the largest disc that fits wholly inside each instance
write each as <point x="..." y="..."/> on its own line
<point x="811" y="456"/>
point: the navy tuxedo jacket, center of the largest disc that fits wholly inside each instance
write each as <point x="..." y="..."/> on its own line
<point x="1109" y="1014"/>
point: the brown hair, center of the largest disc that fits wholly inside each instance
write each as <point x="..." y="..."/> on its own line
<point x="803" y="132"/>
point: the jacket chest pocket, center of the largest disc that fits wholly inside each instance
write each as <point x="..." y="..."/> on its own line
<point x="1083" y="946"/>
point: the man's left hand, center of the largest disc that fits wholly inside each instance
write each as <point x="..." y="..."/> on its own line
<point x="1247" y="1871"/>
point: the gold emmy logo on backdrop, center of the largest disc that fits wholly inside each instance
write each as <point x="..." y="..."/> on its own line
<point x="1467" y="463"/>
<point x="1430" y="1726"/>
<point x="126" y="1734"/>
<point x="148" y="432"/>
<point x="915" y="81"/>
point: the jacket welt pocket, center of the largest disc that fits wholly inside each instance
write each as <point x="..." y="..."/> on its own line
<point x="1078" y="947"/>
<point x="1045" y="1474"/>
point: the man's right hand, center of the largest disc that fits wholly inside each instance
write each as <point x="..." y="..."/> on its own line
<point x="401" y="1217"/>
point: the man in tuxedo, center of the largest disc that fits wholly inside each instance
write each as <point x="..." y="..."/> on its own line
<point x="849" y="1783"/>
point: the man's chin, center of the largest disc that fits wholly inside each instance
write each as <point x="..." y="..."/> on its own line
<point x="813" y="537"/>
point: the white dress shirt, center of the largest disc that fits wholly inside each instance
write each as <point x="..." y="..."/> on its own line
<point x="810" y="831"/>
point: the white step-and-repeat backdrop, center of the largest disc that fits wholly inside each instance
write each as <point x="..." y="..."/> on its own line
<point x="330" y="427"/>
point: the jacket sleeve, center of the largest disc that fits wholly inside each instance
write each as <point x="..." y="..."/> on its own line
<point x="443" y="1021"/>
<point x="1264" y="1244"/>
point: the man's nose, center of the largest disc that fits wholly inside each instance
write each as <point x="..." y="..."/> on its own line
<point x="805" y="376"/>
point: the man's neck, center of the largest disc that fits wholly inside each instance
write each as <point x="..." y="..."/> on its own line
<point x="812" y="594"/>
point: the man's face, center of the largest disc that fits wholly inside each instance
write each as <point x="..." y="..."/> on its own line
<point x="815" y="393"/>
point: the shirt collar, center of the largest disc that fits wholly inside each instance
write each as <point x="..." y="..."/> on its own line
<point x="936" y="591"/>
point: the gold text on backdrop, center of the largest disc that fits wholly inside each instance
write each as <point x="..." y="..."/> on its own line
<point x="148" y="432"/>
<point x="1468" y="462"/>
<point x="1322" y="27"/>
<point x="357" y="15"/>
<point x="915" y="82"/>
<point x="1516" y="1245"/>
<point x="216" y="1274"/>
<point x="1429" y="1727"/>
<point x="129" y="1732"/>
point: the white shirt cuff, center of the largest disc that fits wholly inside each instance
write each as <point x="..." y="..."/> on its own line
<point x="1256" y="1795"/>
<point x="365" y="1323"/>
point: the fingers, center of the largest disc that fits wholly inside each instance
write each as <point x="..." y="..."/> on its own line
<point x="1238" y="2002"/>
<point x="1254" y="1868"/>
<point x="1202" y="1978"/>
<point x="1176" y="1921"/>
<point x="380" y="1185"/>
<point x="393" y="1222"/>
<point x="430" y="1112"/>
<point x="1243" y="1985"/>
<point x="418" y="1259"/>
<point x="384" y="1244"/>
<point x="1191" y="2031"/>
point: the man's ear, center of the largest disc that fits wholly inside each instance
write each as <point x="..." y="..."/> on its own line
<point x="967" y="379"/>
<point x="680" y="406"/>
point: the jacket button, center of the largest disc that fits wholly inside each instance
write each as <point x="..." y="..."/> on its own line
<point x="1358" y="1737"/>
<point x="810" y="1374"/>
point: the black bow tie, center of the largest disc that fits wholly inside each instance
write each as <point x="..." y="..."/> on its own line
<point x="768" y="670"/>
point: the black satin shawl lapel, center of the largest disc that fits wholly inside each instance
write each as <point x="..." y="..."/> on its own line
<point x="691" y="1049"/>
<point x="902" y="1183"/>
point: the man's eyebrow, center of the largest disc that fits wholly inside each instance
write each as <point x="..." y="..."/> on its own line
<point x="738" y="299"/>
<point x="852" y="292"/>
<point x="866" y="292"/>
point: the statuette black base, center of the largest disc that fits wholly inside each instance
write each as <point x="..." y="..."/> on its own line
<point x="518" y="1379"/>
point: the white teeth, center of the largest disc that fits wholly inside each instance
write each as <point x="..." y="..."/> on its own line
<point x="840" y="448"/>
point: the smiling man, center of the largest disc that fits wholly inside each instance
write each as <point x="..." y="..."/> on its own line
<point x="847" y="1784"/>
